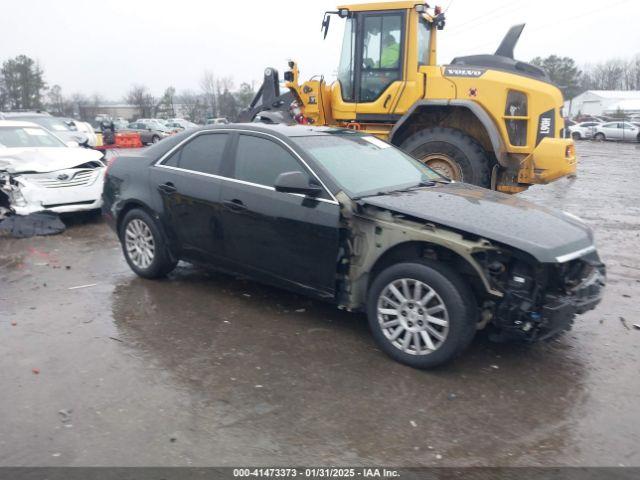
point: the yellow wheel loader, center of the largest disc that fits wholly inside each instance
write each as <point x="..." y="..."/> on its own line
<point x="489" y="120"/>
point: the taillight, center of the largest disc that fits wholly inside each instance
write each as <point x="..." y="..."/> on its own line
<point x="570" y="151"/>
<point x="109" y="161"/>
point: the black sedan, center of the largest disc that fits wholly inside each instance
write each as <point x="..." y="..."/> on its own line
<point x="345" y="217"/>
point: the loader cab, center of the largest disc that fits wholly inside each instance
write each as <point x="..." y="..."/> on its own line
<point x="381" y="52"/>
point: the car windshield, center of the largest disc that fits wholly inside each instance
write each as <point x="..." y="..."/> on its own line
<point x="364" y="165"/>
<point x="27" y="137"/>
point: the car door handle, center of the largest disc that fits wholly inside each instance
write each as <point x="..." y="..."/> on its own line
<point x="167" y="187"/>
<point x="234" y="205"/>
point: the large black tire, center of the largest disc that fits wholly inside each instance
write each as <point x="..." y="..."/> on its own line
<point x="576" y="135"/>
<point x="161" y="261"/>
<point x="599" y="137"/>
<point x="451" y="290"/>
<point x="438" y="146"/>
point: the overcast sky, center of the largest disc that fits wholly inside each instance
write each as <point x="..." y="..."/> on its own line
<point x="105" y="46"/>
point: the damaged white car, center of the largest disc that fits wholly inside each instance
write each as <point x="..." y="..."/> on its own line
<point x="38" y="171"/>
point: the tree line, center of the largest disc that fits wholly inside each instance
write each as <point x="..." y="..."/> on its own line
<point x="217" y="98"/>
<point x="23" y="87"/>
<point x="613" y="74"/>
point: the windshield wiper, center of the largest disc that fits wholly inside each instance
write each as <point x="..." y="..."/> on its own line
<point x="427" y="183"/>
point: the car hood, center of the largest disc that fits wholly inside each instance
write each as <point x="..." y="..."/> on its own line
<point x="42" y="160"/>
<point x="544" y="233"/>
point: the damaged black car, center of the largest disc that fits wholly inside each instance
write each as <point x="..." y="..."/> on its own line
<point x="345" y="217"/>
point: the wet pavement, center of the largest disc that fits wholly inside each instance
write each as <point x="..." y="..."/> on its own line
<point x="99" y="367"/>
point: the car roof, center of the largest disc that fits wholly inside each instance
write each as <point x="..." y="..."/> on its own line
<point x="23" y="114"/>
<point x="283" y="130"/>
<point x="16" y="123"/>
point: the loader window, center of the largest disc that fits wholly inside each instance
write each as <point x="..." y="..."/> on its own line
<point x="381" y="54"/>
<point x="424" y="40"/>
<point x="346" y="68"/>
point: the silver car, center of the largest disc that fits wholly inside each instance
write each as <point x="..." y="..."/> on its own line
<point x="583" y="130"/>
<point x="624" y="131"/>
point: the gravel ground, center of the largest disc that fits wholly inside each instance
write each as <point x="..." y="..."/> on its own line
<point x="100" y="367"/>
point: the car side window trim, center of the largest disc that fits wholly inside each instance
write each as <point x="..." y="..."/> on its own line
<point x="163" y="158"/>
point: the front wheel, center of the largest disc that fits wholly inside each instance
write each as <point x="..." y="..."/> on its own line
<point x="599" y="137"/>
<point x="155" y="139"/>
<point x="576" y="136"/>
<point x="144" y="245"/>
<point x="421" y="314"/>
<point x="452" y="154"/>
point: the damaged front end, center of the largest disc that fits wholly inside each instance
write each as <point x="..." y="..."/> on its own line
<point x="541" y="299"/>
<point x="66" y="190"/>
<point x="521" y="297"/>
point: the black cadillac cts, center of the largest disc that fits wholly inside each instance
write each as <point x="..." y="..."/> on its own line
<point x="348" y="218"/>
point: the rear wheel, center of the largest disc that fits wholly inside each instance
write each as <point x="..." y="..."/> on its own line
<point x="451" y="153"/>
<point x="421" y="314"/>
<point x="155" y="139"/>
<point x="144" y="245"/>
<point x="576" y="135"/>
<point x="599" y="137"/>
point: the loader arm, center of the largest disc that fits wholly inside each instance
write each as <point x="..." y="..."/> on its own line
<point x="269" y="99"/>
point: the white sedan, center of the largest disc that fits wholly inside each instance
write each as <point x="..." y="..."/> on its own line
<point x="38" y="171"/>
<point x="626" y="131"/>
<point x="583" y="130"/>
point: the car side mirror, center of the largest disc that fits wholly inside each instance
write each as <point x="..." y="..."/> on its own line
<point x="296" y="182"/>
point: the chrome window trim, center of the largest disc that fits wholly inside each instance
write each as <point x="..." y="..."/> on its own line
<point x="220" y="177"/>
<point x="577" y="254"/>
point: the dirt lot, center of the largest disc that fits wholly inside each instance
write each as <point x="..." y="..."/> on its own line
<point x="205" y="369"/>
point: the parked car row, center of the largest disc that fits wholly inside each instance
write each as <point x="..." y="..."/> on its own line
<point x="69" y="130"/>
<point x="617" y="130"/>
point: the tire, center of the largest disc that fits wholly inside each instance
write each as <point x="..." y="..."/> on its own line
<point x="155" y="139"/>
<point x="576" y="136"/>
<point x="448" y="290"/>
<point x="599" y="137"/>
<point x="138" y="226"/>
<point x="447" y="149"/>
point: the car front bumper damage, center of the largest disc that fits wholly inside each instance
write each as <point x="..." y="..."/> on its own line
<point x="69" y="190"/>
<point x="519" y="318"/>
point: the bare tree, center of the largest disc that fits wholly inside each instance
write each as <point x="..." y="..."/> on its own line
<point x="56" y="103"/>
<point x="209" y="91"/>
<point x="140" y="97"/>
<point x="192" y="106"/>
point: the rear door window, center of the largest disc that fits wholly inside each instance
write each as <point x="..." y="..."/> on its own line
<point x="202" y="154"/>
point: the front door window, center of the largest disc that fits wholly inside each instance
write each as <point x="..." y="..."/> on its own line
<point x="381" y="54"/>
<point x="346" y="68"/>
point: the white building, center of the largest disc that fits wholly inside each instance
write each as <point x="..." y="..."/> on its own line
<point x="603" y="102"/>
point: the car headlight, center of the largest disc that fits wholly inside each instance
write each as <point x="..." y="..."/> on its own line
<point x="574" y="217"/>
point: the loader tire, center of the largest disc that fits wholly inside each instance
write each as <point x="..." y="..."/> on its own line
<point x="451" y="153"/>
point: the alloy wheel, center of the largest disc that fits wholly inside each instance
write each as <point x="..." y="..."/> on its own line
<point x="412" y="316"/>
<point x="139" y="243"/>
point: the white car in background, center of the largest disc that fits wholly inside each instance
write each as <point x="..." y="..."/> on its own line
<point x="622" y="131"/>
<point x="583" y="130"/>
<point x="39" y="171"/>
<point x="180" y="123"/>
<point x="85" y="128"/>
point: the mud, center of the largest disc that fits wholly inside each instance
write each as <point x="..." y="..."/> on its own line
<point x="207" y="369"/>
